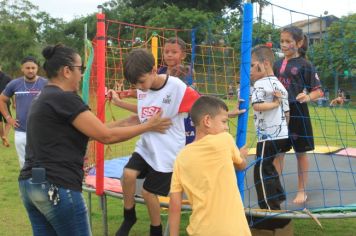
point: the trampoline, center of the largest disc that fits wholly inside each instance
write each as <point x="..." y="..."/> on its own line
<point x="331" y="187"/>
<point x="112" y="188"/>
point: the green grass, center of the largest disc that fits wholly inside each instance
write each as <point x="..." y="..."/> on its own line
<point x="14" y="220"/>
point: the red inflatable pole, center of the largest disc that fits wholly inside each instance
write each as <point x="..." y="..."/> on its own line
<point x="101" y="39"/>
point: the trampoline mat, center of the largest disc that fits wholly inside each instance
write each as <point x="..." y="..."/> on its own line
<point x="331" y="182"/>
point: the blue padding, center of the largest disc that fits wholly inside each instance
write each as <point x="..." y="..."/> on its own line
<point x="113" y="168"/>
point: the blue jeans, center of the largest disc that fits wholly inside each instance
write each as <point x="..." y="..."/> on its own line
<point x="68" y="218"/>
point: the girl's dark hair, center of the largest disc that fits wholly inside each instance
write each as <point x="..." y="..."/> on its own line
<point x="178" y="41"/>
<point x="56" y="57"/>
<point x="298" y="35"/>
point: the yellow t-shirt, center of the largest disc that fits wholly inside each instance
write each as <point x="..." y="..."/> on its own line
<point x="204" y="171"/>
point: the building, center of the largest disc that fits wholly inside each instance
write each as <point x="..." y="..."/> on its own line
<point x="315" y="28"/>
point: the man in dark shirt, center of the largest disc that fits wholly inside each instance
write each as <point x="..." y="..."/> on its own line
<point x="4" y="126"/>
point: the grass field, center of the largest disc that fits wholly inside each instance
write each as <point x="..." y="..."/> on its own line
<point x="14" y="221"/>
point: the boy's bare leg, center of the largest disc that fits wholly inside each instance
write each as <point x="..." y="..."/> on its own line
<point x="303" y="167"/>
<point x="129" y="187"/>
<point x="153" y="207"/>
<point x="278" y="163"/>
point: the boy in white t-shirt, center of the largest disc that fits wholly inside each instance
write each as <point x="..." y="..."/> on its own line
<point x="155" y="153"/>
<point x="271" y="113"/>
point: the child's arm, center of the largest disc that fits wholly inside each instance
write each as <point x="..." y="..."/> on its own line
<point x="243" y="154"/>
<point x="236" y="111"/>
<point x="313" y="95"/>
<point x="175" y="203"/>
<point x="287" y="114"/>
<point x="265" y="106"/>
<point x="115" y="99"/>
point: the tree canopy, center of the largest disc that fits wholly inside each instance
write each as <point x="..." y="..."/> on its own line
<point x="335" y="54"/>
<point x="24" y="30"/>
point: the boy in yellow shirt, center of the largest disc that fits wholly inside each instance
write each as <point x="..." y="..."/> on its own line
<point x="204" y="171"/>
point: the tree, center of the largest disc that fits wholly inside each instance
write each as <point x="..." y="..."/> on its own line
<point x="200" y="5"/>
<point x="336" y="52"/>
<point x="17" y="34"/>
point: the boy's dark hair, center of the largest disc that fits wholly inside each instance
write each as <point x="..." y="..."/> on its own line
<point x="29" y="59"/>
<point x="263" y="53"/>
<point x="298" y="35"/>
<point x="137" y="63"/>
<point x="178" y="41"/>
<point x="56" y="57"/>
<point x="206" y="105"/>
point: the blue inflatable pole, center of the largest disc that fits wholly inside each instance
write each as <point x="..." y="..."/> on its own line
<point x="246" y="44"/>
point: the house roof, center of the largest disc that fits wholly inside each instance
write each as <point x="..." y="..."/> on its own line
<point x="303" y="23"/>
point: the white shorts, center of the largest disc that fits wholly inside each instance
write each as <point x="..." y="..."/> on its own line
<point x="20" y="144"/>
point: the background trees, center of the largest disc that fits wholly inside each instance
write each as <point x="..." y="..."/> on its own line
<point x="25" y="30"/>
<point x="334" y="56"/>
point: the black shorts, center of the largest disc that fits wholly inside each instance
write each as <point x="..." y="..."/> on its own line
<point x="300" y="128"/>
<point x="2" y="118"/>
<point x="272" y="148"/>
<point x="271" y="194"/>
<point x="155" y="182"/>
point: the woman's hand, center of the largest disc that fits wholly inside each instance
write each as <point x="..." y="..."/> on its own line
<point x="159" y="124"/>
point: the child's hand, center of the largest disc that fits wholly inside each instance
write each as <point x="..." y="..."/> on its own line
<point x="159" y="124"/>
<point x="236" y="111"/>
<point x="303" y="97"/>
<point x="277" y="96"/>
<point x="113" y="97"/>
<point x="244" y="152"/>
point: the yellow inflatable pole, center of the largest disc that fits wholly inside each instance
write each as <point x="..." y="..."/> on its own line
<point x="154" y="46"/>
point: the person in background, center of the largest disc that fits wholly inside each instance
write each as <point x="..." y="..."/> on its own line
<point x="174" y="53"/>
<point x="230" y="92"/>
<point x="58" y="129"/>
<point x="340" y="99"/>
<point x="4" y="125"/>
<point x="25" y="89"/>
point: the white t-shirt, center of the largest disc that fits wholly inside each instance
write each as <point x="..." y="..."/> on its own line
<point x="175" y="100"/>
<point x="271" y="124"/>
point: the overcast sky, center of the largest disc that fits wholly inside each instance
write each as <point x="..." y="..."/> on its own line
<point x="69" y="9"/>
